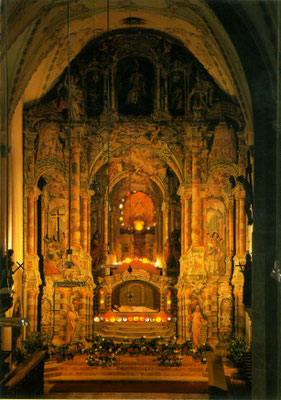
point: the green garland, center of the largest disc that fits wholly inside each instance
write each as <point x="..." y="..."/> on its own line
<point x="104" y="352"/>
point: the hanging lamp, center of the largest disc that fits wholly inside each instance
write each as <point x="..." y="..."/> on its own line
<point x="69" y="263"/>
<point x="107" y="245"/>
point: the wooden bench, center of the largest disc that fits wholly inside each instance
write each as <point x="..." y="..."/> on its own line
<point x="216" y="378"/>
<point x="27" y="380"/>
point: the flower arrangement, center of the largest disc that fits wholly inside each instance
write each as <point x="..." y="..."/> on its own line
<point x="104" y="352"/>
<point x="62" y="352"/>
<point x="237" y="347"/>
<point x="35" y="341"/>
<point x="101" y="360"/>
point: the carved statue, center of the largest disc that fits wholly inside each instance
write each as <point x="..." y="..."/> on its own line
<point x="202" y="93"/>
<point x="75" y="99"/>
<point x="173" y="252"/>
<point x="224" y="144"/>
<point x="7" y="280"/>
<point x="248" y="198"/>
<point x="137" y="89"/>
<point x="214" y="253"/>
<point x="73" y="322"/>
<point x="97" y="250"/>
<point x="49" y="143"/>
<point x="225" y="313"/>
<point x="197" y="321"/>
<point x="247" y="287"/>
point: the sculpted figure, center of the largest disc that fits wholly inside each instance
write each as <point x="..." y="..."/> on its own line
<point x="73" y="323"/>
<point x="214" y="253"/>
<point x="197" y="321"/>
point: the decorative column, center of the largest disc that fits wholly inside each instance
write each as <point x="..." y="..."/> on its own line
<point x="75" y="194"/>
<point x="31" y="200"/>
<point x="196" y="231"/>
<point x="242" y="224"/>
<point x="84" y="220"/>
<point x="184" y="192"/>
<point x="165" y="211"/>
<point x="172" y="216"/>
<point x="204" y="219"/>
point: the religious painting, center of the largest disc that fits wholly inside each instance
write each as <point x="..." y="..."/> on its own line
<point x="134" y="83"/>
<point x="176" y="93"/>
<point x="94" y="93"/>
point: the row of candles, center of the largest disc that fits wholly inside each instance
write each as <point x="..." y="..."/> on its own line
<point x="134" y="318"/>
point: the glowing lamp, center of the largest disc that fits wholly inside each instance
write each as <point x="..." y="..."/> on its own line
<point x="158" y="319"/>
<point x="145" y="260"/>
<point x="169" y="319"/>
<point x="147" y="319"/>
<point x="96" y="319"/>
<point x="124" y="319"/>
<point x="152" y="319"/>
<point x="119" y="319"/>
<point x="130" y="319"/>
<point x="112" y="319"/>
<point x="121" y="218"/>
<point x="136" y="319"/>
<point x="142" y="319"/>
<point x="101" y="318"/>
<point x="102" y="291"/>
<point x="121" y="206"/>
<point x="127" y="260"/>
<point x="101" y="301"/>
<point x="169" y="302"/>
<point x="106" y="320"/>
<point x="138" y="225"/>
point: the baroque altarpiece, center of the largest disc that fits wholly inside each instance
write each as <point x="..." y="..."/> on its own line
<point x="131" y="161"/>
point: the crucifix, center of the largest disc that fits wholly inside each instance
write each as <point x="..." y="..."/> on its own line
<point x="56" y="214"/>
<point x="129" y="296"/>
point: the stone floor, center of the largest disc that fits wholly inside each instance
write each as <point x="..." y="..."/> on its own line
<point x="129" y="396"/>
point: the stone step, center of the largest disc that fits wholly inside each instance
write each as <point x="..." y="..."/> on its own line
<point x="128" y="367"/>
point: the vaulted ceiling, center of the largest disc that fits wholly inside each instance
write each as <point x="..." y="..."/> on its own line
<point x="38" y="46"/>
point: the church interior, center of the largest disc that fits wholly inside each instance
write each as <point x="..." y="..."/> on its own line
<point x="140" y="176"/>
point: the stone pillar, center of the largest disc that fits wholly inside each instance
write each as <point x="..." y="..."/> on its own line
<point x="204" y="219"/>
<point x="75" y="195"/>
<point x="61" y="308"/>
<point x="31" y="205"/>
<point x="165" y="211"/>
<point x="106" y="238"/>
<point x="180" y="318"/>
<point x="32" y="303"/>
<point x="242" y="225"/>
<point x="172" y="217"/>
<point x="230" y="227"/>
<point x="185" y="193"/>
<point x="237" y="219"/>
<point x="196" y="231"/>
<point x="84" y="220"/>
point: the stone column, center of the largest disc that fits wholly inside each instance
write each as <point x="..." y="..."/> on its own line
<point x="165" y="211"/>
<point x="172" y="216"/>
<point x="106" y="216"/>
<point x="75" y="195"/>
<point x="237" y="219"/>
<point x="31" y="199"/>
<point x="84" y="220"/>
<point x="204" y="219"/>
<point x="230" y="227"/>
<point x="242" y="225"/>
<point x="185" y="193"/>
<point x="32" y="296"/>
<point x="196" y="231"/>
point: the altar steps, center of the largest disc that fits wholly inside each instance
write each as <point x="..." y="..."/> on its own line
<point x="132" y="374"/>
<point x="133" y="330"/>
